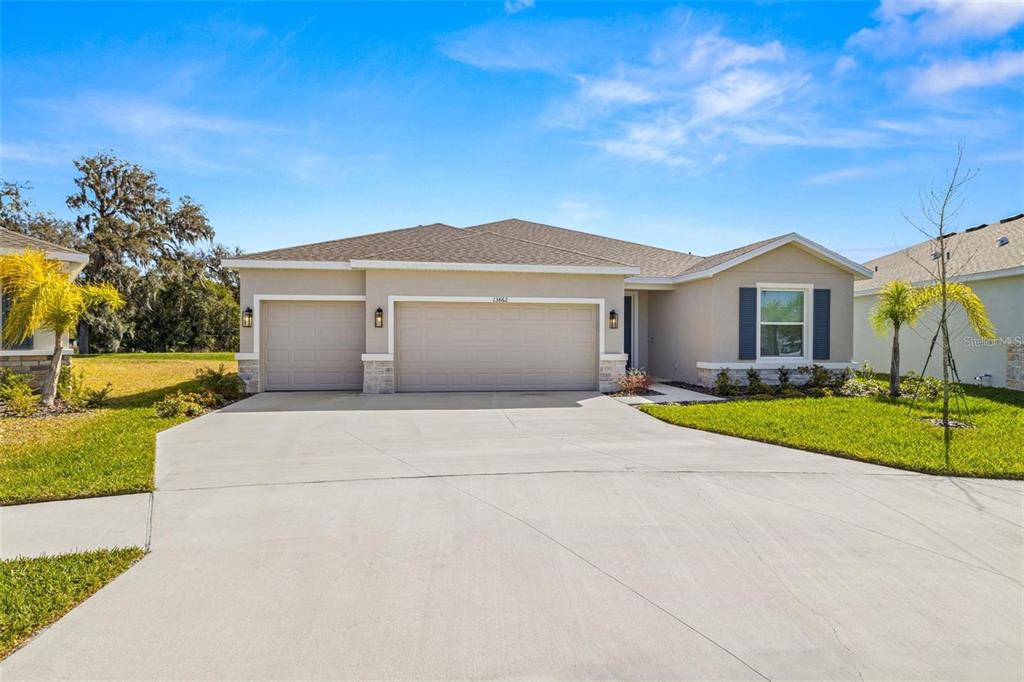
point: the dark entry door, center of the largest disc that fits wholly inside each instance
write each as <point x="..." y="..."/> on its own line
<point x="627" y="320"/>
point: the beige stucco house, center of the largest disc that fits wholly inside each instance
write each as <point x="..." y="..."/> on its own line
<point x="516" y="305"/>
<point x="32" y="356"/>
<point x="990" y="258"/>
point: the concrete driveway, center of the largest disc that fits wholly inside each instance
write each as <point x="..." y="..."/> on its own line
<point x="541" y="536"/>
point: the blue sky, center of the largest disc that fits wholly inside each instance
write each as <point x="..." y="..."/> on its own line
<point x="695" y="127"/>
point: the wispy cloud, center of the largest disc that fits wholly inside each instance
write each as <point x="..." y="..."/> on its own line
<point x="516" y="6"/>
<point x="945" y="77"/>
<point x="838" y="175"/>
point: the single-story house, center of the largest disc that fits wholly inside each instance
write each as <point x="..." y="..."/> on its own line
<point x="32" y="356"/>
<point x="517" y="305"/>
<point x="990" y="259"/>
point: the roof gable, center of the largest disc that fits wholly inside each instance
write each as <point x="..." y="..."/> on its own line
<point x="15" y="241"/>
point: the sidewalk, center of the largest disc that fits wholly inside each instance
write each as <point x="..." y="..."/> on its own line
<point x="669" y="394"/>
<point x="30" y="530"/>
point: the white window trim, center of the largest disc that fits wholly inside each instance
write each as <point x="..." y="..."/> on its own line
<point x="257" y="301"/>
<point x="599" y="302"/>
<point x="808" y="323"/>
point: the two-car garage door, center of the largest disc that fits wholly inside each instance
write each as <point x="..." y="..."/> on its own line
<point x="449" y="346"/>
<point x="495" y="347"/>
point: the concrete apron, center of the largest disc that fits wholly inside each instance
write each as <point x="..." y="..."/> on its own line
<point x="555" y="536"/>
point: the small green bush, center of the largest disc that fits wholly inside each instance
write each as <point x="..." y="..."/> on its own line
<point x="817" y="376"/>
<point x="790" y="392"/>
<point x="72" y="390"/>
<point x="16" y="393"/>
<point x="925" y="387"/>
<point x="858" y="386"/>
<point x="724" y="385"/>
<point x="819" y="392"/>
<point x="220" y="382"/>
<point x="866" y="371"/>
<point x="755" y="385"/>
<point x="186" y="404"/>
<point x="840" y="378"/>
<point x="785" y="374"/>
<point x="761" y="396"/>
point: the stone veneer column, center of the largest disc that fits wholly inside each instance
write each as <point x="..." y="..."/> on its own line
<point x="378" y="376"/>
<point x="1015" y="366"/>
<point x="608" y="373"/>
<point x="249" y="373"/>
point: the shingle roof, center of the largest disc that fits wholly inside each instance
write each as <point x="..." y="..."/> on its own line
<point x="16" y="240"/>
<point x="726" y="256"/>
<point x="974" y="251"/>
<point x="488" y="247"/>
<point x="652" y="261"/>
<point x="363" y="246"/>
<point x="507" y="241"/>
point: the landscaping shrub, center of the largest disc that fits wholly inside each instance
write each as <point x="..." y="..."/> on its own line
<point x="71" y="389"/>
<point x="17" y="395"/>
<point x="635" y="382"/>
<point x="790" y="392"/>
<point x="761" y="396"/>
<point x="186" y="404"/>
<point x="755" y="385"/>
<point x="859" y="387"/>
<point x="817" y="376"/>
<point x="926" y="388"/>
<point x="819" y="392"/>
<point x="840" y="378"/>
<point x="866" y="371"/>
<point x="724" y="385"/>
<point x="220" y="382"/>
<point x="784" y="378"/>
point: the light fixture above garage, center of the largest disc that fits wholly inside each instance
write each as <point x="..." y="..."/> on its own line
<point x="613" y="320"/>
<point x="378" y="318"/>
<point x="247" y="317"/>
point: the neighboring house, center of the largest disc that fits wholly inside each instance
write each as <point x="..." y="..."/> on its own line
<point x="990" y="258"/>
<point x="32" y="356"/>
<point x="516" y="305"/>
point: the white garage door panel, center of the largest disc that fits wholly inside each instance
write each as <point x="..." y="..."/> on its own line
<point x="313" y="345"/>
<point x="485" y="347"/>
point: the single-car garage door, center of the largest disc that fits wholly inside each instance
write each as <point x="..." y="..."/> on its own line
<point x="495" y="347"/>
<point x="312" y="345"/>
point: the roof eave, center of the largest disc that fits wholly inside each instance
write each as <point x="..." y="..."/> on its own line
<point x="970" y="277"/>
<point x="366" y="264"/>
<point x="260" y="264"/>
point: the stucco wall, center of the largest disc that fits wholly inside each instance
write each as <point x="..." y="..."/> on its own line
<point x="786" y="265"/>
<point x="699" y="320"/>
<point x="1004" y="300"/>
<point x="320" y="282"/>
<point x="383" y="283"/>
<point x="679" y="330"/>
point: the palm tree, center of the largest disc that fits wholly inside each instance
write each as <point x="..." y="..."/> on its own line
<point x="43" y="296"/>
<point x="898" y="305"/>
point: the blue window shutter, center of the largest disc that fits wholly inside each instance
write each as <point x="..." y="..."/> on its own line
<point x="748" y="323"/>
<point x="5" y="302"/>
<point x="822" y="320"/>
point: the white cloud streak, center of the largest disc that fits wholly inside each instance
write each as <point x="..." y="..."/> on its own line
<point x="945" y="77"/>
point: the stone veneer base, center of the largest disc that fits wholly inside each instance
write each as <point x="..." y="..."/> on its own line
<point x="378" y="376"/>
<point x="35" y="366"/>
<point x="608" y="373"/>
<point x="249" y="373"/>
<point x="1015" y="366"/>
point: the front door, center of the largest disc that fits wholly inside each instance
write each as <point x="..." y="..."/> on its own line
<point x="627" y="320"/>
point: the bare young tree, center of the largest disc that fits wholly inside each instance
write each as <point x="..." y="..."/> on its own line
<point x="940" y="209"/>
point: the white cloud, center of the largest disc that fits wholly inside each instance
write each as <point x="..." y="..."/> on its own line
<point x="740" y="91"/>
<point x="844" y="64"/>
<point x="838" y="175"/>
<point x="580" y="212"/>
<point x="614" y="90"/>
<point x="904" y="24"/>
<point x="945" y="77"/>
<point x="514" y="6"/>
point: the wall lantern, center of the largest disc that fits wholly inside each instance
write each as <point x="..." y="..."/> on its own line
<point x="613" y="320"/>
<point x="378" y="318"/>
<point x="247" y="317"/>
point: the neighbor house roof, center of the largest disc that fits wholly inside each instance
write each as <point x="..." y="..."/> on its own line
<point x="976" y="253"/>
<point x="518" y="244"/>
<point x="16" y="241"/>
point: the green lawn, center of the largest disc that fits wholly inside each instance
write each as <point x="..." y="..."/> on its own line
<point x="99" y="452"/>
<point x="876" y="430"/>
<point x="36" y="592"/>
